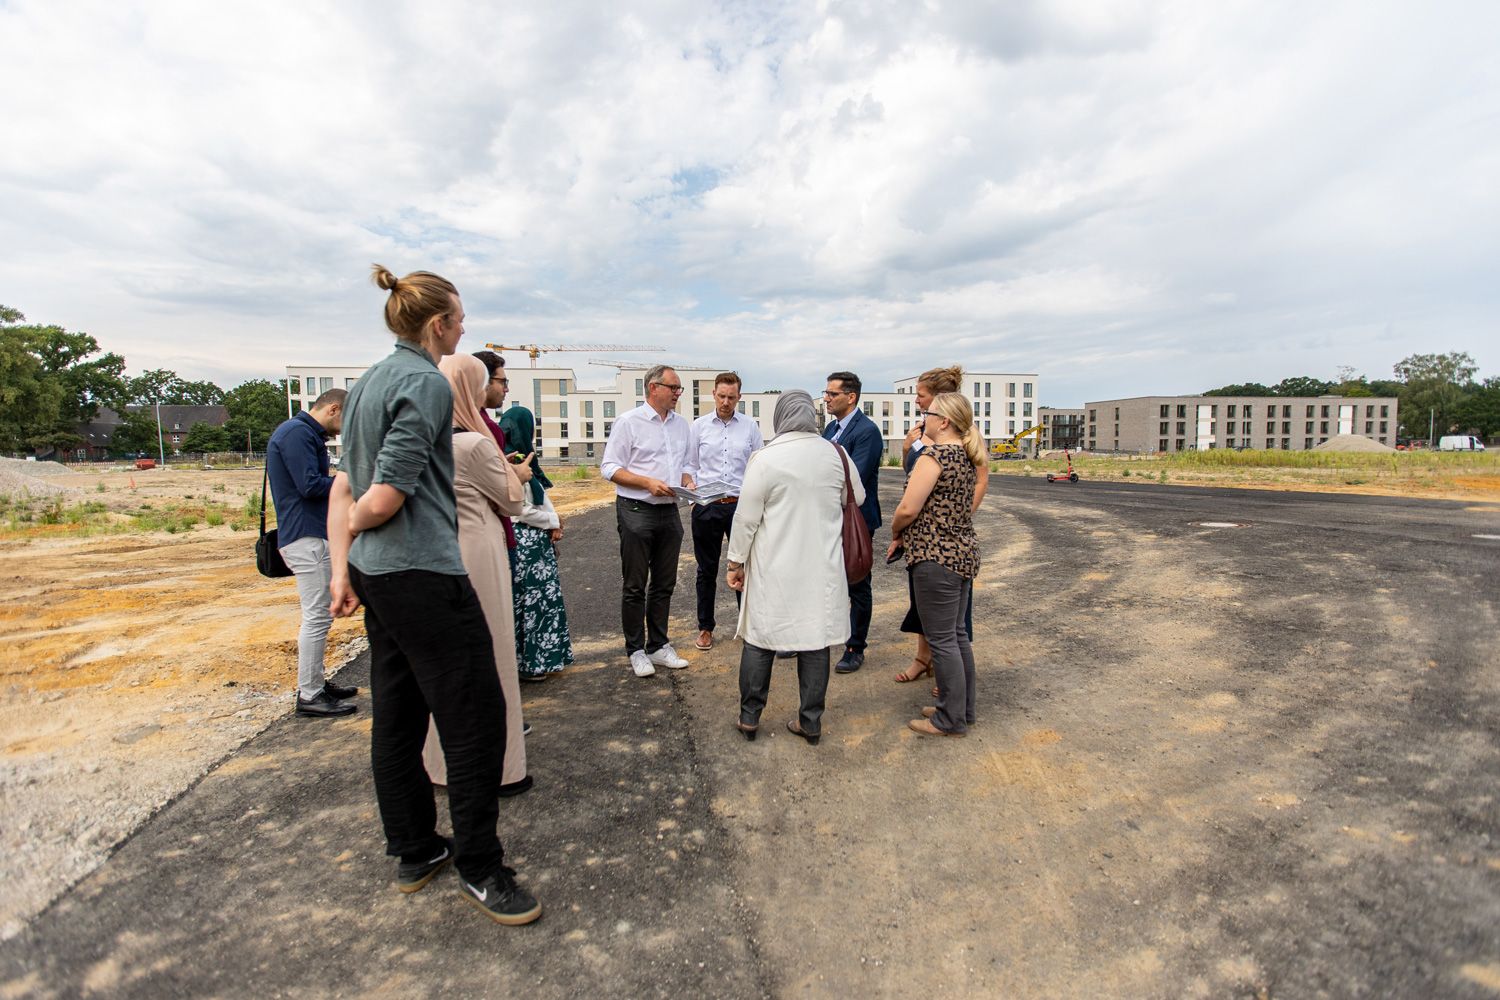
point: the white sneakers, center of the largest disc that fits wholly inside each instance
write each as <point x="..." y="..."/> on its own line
<point x="667" y="657"/>
<point x="645" y="666"/>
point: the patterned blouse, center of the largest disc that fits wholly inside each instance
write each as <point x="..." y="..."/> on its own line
<point x="943" y="531"/>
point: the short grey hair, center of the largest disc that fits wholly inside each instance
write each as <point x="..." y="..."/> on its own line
<point x="655" y="372"/>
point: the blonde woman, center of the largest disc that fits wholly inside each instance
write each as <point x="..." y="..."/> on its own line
<point x="935" y="523"/>
<point x="929" y="384"/>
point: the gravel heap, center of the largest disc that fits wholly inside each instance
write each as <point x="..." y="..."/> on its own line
<point x="1353" y="442"/>
<point x="18" y="478"/>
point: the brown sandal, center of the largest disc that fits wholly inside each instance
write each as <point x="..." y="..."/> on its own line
<point x="906" y="676"/>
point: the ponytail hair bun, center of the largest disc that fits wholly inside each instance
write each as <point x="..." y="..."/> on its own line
<point x="383" y="278"/>
<point x="416" y="300"/>
<point x="941" y="380"/>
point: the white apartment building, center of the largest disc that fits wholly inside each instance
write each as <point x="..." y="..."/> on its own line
<point x="574" y="423"/>
<point x="1004" y="405"/>
<point x="571" y="423"/>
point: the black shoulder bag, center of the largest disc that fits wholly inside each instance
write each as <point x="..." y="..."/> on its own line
<point x="267" y="555"/>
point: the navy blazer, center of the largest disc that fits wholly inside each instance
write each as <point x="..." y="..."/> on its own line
<point x="297" y="467"/>
<point x="862" y="440"/>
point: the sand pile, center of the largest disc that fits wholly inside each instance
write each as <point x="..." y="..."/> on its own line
<point x="19" y="478"/>
<point x="1353" y="442"/>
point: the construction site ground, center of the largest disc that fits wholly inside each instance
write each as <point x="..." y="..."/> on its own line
<point x="1252" y="760"/>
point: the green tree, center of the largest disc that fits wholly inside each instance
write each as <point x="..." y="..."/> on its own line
<point x="1244" y="389"/>
<point x="50" y="383"/>
<point x="163" y="386"/>
<point x="1302" y="386"/>
<point x="256" y="408"/>
<point x="1479" y="411"/>
<point x="203" y="436"/>
<point x="1433" y="387"/>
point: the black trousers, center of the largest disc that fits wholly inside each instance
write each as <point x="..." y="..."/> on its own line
<point x="861" y="606"/>
<point x="431" y="652"/>
<point x="712" y="523"/>
<point x="650" y="541"/>
<point x="812" y="685"/>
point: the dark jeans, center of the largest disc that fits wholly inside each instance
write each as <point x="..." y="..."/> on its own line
<point x="755" y="685"/>
<point x="431" y="652"/>
<point x="861" y="604"/>
<point x="650" y="540"/>
<point x="711" y="525"/>
<point x="941" y="596"/>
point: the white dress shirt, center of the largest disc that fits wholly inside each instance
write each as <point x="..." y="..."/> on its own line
<point x="643" y="443"/>
<point x="842" y="426"/>
<point x="717" y="451"/>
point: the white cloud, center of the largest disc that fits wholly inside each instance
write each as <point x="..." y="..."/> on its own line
<point x="1126" y="198"/>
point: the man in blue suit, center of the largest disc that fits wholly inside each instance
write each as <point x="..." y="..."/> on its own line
<point x="859" y="437"/>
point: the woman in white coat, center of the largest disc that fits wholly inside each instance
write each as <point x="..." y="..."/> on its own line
<point x="786" y="553"/>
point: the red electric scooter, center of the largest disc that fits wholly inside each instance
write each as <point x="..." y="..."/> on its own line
<point x="1064" y="477"/>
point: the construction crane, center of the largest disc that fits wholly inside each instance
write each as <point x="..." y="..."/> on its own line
<point x="605" y="362"/>
<point x="1004" y="447"/>
<point x="536" y="350"/>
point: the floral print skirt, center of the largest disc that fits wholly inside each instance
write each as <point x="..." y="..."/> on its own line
<point x="542" y="643"/>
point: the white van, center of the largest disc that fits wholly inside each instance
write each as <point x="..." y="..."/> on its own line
<point x="1460" y="442"/>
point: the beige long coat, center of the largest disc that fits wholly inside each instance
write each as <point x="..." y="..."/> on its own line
<point x="789" y="532"/>
<point x="480" y="475"/>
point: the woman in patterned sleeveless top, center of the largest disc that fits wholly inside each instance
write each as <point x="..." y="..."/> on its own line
<point x="935" y="523"/>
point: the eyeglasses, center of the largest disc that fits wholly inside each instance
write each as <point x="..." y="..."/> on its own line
<point x="502" y="381"/>
<point x="670" y="387"/>
<point x="928" y="413"/>
<point x="829" y="393"/>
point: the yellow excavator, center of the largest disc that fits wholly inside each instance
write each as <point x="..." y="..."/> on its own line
<point x="1007" y="447"/>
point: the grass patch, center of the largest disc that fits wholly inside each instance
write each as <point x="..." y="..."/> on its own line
<point x="53" y="518"/>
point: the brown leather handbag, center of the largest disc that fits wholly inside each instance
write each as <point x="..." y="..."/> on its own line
<point x="858" y="554"/>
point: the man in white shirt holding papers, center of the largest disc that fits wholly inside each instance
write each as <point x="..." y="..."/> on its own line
<point x="719" y="446"/>
<point x="645" y="454"/>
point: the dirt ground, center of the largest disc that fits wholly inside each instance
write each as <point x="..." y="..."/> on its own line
<point x="130" y="663"/>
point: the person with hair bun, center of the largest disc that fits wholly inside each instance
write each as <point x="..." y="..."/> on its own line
<point x="393" y="541"/>
<point x="929" y="384"/>
<point x="935" y="524"/>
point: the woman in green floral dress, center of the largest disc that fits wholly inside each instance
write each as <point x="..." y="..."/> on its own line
<point x="542" y="643"/>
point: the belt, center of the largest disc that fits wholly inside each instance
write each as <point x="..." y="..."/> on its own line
<point x="728" y="500"/>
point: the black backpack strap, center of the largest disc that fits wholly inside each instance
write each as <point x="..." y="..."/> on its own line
<point x="263" y="480"/>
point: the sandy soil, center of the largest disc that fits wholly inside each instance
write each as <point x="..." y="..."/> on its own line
<point x="130" y="664"/>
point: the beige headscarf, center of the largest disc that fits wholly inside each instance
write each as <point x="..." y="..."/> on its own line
<point x="468" y="377"/>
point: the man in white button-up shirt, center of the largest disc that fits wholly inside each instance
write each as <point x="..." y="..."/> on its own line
<point x="646" y="450"/>
<point x="719" y="447"/>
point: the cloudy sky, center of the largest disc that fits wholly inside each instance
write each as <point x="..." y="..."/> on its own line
<point x="1127" y="198"/>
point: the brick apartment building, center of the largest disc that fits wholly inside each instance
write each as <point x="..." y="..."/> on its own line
<point x="1147" y="424"/>
<point x="1063" y="429"/>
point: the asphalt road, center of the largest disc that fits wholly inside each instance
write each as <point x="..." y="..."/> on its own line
<point x="1239" y="761"/>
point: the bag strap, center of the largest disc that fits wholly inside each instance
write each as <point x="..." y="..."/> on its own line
<point x="263" y="480"/>
<point x="843" y="457"/>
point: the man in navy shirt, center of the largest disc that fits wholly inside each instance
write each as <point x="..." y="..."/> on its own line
<point x="297" y="465"/>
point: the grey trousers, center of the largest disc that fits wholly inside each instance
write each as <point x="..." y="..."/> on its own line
<point x="812" y="685"/>
<point x="307" y="557"/>
<point x="942" y="595"/>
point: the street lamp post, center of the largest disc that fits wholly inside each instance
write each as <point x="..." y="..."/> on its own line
<point x="161" y="449"/>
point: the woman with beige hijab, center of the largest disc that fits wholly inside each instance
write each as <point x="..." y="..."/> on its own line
<point x="486" y="486"/>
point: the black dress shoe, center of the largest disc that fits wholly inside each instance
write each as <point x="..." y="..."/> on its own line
<point x="324" y="706"/>
<point x="851" y="662"/>
<point x="517" y="787"/>
<point x="338" y="691"/>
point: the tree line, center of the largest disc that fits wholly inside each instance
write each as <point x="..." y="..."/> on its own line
<point x="53" y="381"/>
<point x="1430" y="389"/>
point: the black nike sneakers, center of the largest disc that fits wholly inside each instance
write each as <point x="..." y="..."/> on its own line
<point x="501" y="899"/>
<point x="411" y="876"/>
